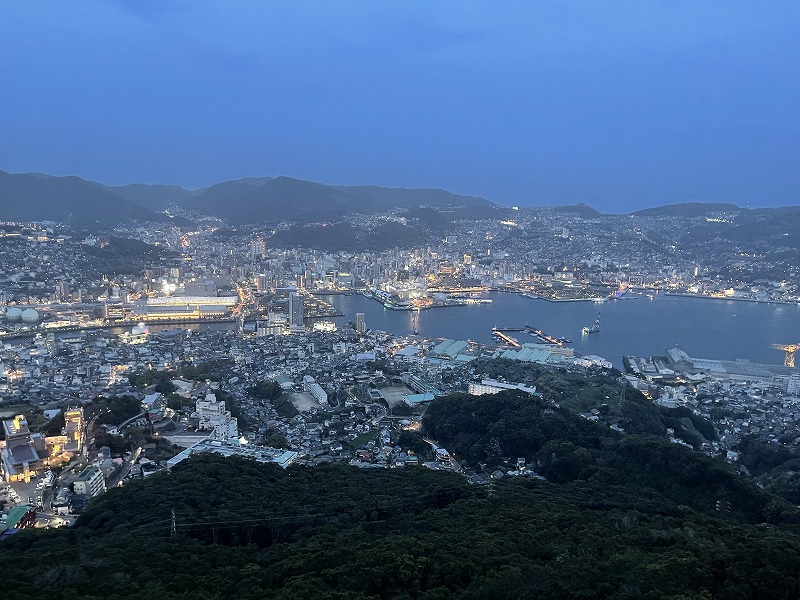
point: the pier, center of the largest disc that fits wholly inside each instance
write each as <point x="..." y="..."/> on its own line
<point x="501" y="332"/>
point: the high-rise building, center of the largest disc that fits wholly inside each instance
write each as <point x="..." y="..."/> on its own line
<point x="360" y="326"/>
<point x="258" y="248"/>
<point x="262" y="282"/>
<point x="296" y="312"/>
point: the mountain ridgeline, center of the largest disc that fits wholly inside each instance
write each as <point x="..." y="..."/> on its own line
<point x="37" y="197"/>
<point x="254" y="200"/>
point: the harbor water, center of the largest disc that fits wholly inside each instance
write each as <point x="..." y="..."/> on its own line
<point x="635" y="324"/>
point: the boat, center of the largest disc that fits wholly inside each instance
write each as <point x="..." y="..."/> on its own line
<point x="593" y="328"/>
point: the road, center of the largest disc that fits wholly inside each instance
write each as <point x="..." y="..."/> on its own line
<point x="126" y="467"/>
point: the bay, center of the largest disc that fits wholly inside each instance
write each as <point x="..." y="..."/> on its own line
<point x="635" y="324"/>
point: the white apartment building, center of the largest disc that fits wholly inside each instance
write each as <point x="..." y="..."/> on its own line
<point x="90" y="482"/>
<point x="214" y="418"/>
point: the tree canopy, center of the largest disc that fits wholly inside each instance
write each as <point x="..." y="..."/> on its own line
<point x="249" y="530"/>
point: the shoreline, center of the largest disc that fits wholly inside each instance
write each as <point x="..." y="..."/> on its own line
<point x="704" y="297"/>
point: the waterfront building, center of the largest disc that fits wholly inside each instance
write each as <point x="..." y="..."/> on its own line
<point x="185" y="307"/>
<point x="138" y="334"/>
<point x="360" y="325"/>
<point x="539" y="353"/>
<point x="326" y="326"/>
<point x="677" y="361"/>
<point x="449" y="348"/>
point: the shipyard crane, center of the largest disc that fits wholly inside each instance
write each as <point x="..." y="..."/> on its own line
<point x="790" y="349"/>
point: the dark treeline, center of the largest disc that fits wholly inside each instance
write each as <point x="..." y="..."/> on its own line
<point x="247" y="530"/>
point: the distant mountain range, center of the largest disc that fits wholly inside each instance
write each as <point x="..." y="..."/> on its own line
<point x="36" y="197"/>
<point x="39" y="197"/>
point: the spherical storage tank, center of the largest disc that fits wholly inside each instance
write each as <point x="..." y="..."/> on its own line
<point x="13" y="314"/>
<point x="30" y="315"/>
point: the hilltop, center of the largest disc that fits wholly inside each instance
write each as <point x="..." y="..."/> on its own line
<point x="37" y="197"/>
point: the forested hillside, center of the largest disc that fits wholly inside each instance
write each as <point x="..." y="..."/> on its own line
<point x="564" y="447"/>
<point x="246" y="530"/>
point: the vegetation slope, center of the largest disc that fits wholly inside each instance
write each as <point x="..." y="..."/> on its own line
<point x="620" y="517"/>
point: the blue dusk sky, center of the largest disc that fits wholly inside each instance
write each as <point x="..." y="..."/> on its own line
<point x="619" y="104"/>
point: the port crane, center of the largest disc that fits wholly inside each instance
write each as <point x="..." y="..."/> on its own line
<point x="790" y="349"/>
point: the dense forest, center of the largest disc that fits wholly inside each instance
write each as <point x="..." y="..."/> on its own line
<point x="492" y="430"/>
<point x="247" y="530"/>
